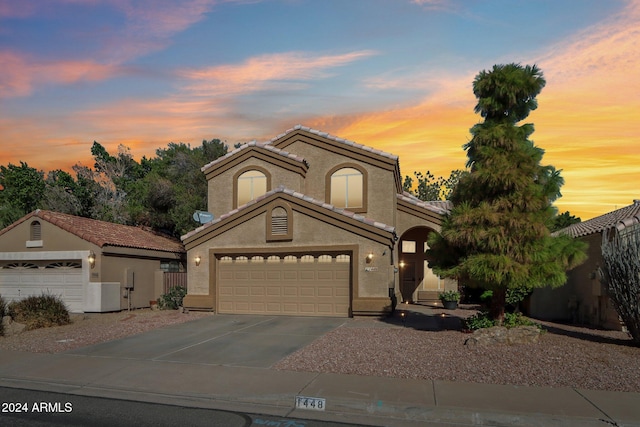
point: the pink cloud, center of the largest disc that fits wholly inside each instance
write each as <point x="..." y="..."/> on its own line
<point x="264" y="71"/>
<point x="21" y="73"/>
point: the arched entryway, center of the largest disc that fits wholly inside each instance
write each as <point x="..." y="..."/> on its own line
<point x="415" y="275"/>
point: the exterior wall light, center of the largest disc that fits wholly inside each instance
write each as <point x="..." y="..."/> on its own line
<point x="369" y="257"/>
<point x="92" y="259"/>
<point x="198" y="259"/>
<point x="401" y="264"/>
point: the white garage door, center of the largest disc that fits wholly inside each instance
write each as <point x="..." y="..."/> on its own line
<point x="300" y="285"/>
<point x="22" y="279"/>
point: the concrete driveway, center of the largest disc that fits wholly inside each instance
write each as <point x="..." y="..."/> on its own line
<point x="229" y="340"/>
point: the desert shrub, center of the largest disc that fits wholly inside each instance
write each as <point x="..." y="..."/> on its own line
<point x="481" y="320"/>
<point x="39" y="311"/>
<point x="172" y="299"/>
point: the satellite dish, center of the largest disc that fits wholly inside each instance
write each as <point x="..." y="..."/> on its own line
<point x="202" y="217"/>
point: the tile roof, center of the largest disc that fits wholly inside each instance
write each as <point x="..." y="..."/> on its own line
<point x="282" y="189"/>
<point x="102" y="233"/>
<point x="441" y="207"/>
<point x="264" y="145"/>
<point x="334" y="138"/>
<point x="620" y="218"/>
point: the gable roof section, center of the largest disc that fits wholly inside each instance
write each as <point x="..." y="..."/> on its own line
<point x="341" y="146"/>
<point x="432" y="211"/>
<point x="354" y="222"/>
<point x="102" y="233"/>
<point x="620" y="219"/>
<point x="261" y="150"/>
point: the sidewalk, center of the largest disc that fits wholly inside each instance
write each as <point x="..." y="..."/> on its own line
<point x="354" y="399"/>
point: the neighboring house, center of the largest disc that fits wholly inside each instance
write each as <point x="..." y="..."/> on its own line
<point x="95" y="266"/>
<point x="583" y="299"/>
<point x="310" y="224"/>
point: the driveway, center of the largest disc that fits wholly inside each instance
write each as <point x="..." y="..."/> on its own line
<point x="229" y="340"/>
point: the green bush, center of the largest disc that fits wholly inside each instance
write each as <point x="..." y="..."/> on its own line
<point x="39" y="311"/>
<point x="481" y="320"/>
<point x="172" y="299"/>
<point x="449" y="296"/>
<point x="477" y="321"/>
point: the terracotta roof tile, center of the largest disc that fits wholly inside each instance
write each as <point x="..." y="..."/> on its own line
<point x="620" y="218"/>
<point x="102" y="233"/>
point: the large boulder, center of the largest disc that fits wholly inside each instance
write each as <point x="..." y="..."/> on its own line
<point x="502" y="335"/>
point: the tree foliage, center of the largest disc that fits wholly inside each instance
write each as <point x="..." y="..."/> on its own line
<point x="22" y="191"/>
<point x="563" y="220"/>
<point x="161" y="192"/>
<point x="429" y="187"/>
<point x="620" y="273"/>
<point x="497" y="234"/>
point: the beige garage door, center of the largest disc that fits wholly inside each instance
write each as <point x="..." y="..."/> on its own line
<point x="300" y="285"/>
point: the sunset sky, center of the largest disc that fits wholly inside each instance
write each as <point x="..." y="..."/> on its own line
<point x="392" y="74"/>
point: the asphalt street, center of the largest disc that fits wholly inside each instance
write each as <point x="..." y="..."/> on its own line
<point x="20" y="407"/>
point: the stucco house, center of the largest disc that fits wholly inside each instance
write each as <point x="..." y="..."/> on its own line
<point x="94" y="266"/>
<point x="310" y="224"/>
<point x="583" y="299"/>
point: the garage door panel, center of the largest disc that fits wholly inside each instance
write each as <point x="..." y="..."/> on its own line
<point x="273" y="291"/>
<point x="315" y="286"/>
<point x="66" y="283"/>
<point x="325" y="292"/>
<point x="326" y="275"/>
<point x="289" y="291"/>
<point x="274" y="275"/>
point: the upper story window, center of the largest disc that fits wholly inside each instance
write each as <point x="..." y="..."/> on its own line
<point x="347" y="188"/>
<point x="250" y="184"/>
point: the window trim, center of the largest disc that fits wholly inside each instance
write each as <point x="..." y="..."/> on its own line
<point x="365" y="180"/>
<point x="247" y="169"/>
<point x="279" y="237"/>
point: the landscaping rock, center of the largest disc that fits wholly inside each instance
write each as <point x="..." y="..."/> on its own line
<point x="502" y="335"/>
<point x="10" y="327"/>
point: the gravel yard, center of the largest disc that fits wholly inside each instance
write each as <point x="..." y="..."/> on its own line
<point x="424" y="344"/>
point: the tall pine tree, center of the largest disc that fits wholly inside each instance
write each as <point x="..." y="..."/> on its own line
<point x="497" y="236"/>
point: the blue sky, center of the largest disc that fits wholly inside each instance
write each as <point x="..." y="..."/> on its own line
<point x="395" y="75"/>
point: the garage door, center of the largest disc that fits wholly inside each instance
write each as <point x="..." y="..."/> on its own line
<point x="22" y="279"/>
<point x="301" y="284"/>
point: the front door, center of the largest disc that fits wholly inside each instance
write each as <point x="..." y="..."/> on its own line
<point x="415" y="273"/>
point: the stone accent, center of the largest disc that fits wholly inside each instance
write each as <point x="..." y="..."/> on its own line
<point x="10" y="327"/>
<point x="502" y="335"/>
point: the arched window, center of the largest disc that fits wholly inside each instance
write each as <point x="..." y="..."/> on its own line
<point x="347" y="188"/>
<point x="249" y="184"/>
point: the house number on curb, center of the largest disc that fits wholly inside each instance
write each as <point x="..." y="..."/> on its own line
<point x="313" y="403"/>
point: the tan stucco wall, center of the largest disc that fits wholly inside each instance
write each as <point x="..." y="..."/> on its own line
<point x="53" y="239"/>
<point x="406" y="221"/>
<point x="113" y="269"/>
<point x="582" y="299"/>
<point x="220" y="188"/>
<point x="308" y="233"/>
<point x="381" y="191"/>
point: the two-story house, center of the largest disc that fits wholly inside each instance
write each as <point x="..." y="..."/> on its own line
<point x="310" y="224"/>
